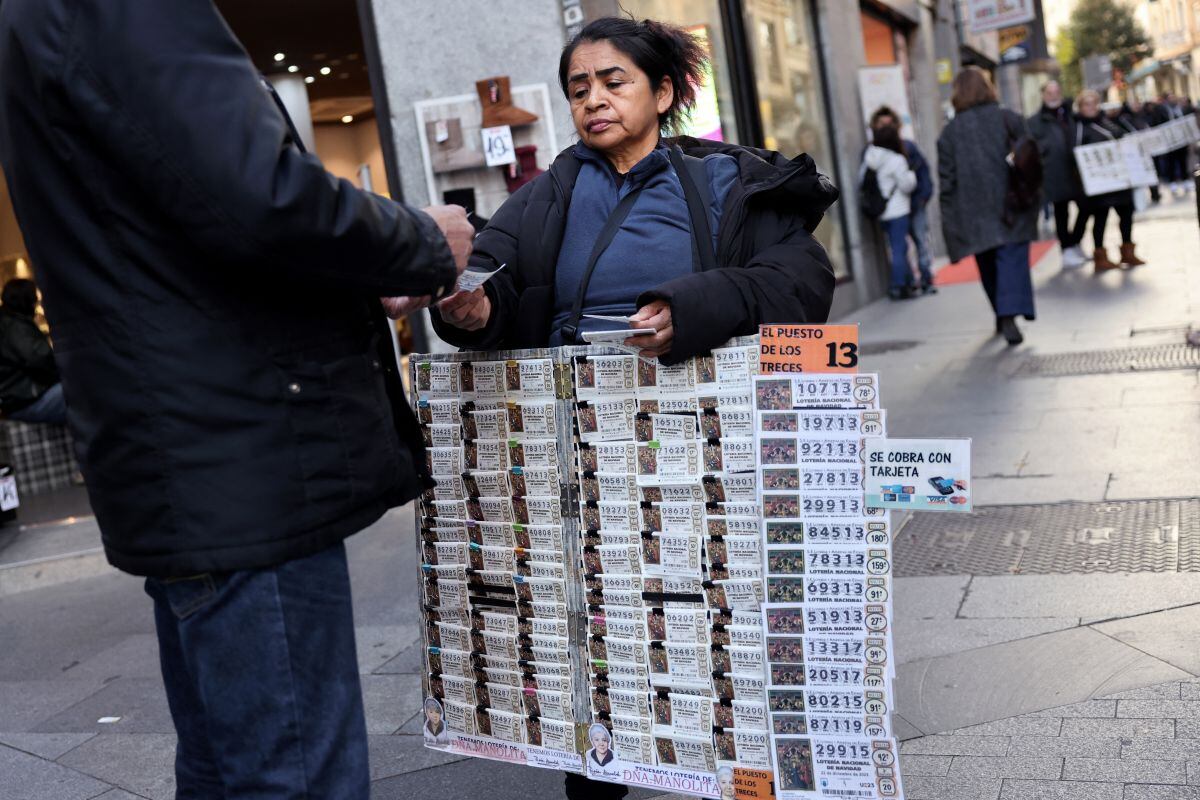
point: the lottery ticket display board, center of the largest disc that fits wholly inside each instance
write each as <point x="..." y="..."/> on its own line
<point x="661" y="576"/>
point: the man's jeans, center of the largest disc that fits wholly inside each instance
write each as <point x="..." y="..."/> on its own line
<point x="49" y="409"/>
<point x="918" y="229"/>
<point x="262" y="680"/>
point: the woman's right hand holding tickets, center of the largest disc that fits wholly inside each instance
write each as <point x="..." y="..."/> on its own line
<point x="469" y="311"/>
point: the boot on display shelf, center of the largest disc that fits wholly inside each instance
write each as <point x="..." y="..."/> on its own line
<point x="523" y="170"/>
<point x="447" y="149"/>
<point x="495" y="96"/>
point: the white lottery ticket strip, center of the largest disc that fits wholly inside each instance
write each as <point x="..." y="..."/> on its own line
<point x="661" y="576"/>
<point x="827" y="559"/>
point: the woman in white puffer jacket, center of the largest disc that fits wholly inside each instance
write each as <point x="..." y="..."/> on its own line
<point x="886" y="156"/>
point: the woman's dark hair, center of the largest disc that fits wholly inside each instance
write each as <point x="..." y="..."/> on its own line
<point x="20" y="297"/>
<point x="658" y="49"/>
<point x="888" y="137"/>
<point x="881" y="112"/>
<point x="972" y="87"/>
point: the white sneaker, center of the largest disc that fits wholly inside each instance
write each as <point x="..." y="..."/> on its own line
<point x="1073" y="258"/>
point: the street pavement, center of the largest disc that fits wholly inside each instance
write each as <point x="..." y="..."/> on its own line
<point x="1048" y="645"/>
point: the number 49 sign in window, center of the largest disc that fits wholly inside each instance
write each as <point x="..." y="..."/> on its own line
<point x="498" y="148"/>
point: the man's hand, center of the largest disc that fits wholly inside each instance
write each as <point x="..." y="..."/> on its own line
<point x="469" y="311"/>
<point x="656" y="315"/>
<point x="459" y="233"/>
<point x="397" y="307"/>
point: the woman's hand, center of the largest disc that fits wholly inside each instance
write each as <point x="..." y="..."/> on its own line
<point x="656" y="315"/>
<point x="469" y="311"/>
<point x="398" y="307"/>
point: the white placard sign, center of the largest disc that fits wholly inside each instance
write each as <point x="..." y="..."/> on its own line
<point x="1102" y="168"/>
<point x="919" y="474"/>
<point x="498" y="148"/>
<point x="1138" y="163"/>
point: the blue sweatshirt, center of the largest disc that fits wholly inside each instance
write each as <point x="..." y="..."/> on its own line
<point x="652" y="246"/>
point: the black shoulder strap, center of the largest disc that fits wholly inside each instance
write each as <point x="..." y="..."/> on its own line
<point x="570" y="329"/>
<point x="1009" y="128"/>
<point x="693" y="176"/>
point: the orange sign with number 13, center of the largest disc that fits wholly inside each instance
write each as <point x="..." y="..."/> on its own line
<point x="807" y="348"/>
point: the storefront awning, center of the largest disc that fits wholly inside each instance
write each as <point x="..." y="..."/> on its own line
<point x="1143" y="70"/>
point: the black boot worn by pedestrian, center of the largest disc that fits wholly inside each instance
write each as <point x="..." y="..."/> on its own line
<point x="1010" y="331"/>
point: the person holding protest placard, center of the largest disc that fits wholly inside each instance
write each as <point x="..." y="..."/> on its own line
<point x="1093" y="127"/>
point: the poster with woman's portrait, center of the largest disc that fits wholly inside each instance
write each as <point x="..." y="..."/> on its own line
<point x="434" y="731"/>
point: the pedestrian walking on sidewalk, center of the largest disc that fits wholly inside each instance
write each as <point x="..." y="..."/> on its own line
<point x="617" y="226"/>
<point x="918" y="215"/>
<point x="978" y="217"/>
<point x="1052" y="129"/>
<point x="1094" y="127"/>
<point x="886" y="164"/>
<point x="214" y="295"/>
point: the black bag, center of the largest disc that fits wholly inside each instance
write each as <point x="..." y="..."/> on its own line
<point x="1024" y="172"/>
<point x="870" y="196"/>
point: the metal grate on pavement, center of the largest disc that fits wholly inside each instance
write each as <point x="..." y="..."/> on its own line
<point x="1150" y="358"/>
<point x="1128" y="536"/>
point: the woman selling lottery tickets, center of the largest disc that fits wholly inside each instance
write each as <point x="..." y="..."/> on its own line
<point x="695" y="241"/>
<point x="671" y="246"/>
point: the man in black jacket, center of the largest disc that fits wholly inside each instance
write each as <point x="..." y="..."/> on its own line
<point x="1052" y="129"/>
<point x="214" y="297"/>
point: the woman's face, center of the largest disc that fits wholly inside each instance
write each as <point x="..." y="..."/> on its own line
<point x="725" y="783"/>
<point x="612" y="101"/>
<point x="600" y="743"/>
<point x="1088" y="106"/>
<point x="434" y="715"/>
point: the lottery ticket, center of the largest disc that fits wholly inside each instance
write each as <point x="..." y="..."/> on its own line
<point x="843" y="768"/>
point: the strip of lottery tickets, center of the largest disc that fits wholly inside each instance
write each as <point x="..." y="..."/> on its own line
<point x="827" y="561"/>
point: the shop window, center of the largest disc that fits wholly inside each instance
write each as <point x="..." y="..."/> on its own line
<point x="713" y="117"/>
<point x="791" y="102"/>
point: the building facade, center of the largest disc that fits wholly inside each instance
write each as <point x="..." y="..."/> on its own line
<point x="1174" y="27"/>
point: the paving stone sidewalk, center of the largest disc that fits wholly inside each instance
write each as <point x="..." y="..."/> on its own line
<point x="1137" y="745"/>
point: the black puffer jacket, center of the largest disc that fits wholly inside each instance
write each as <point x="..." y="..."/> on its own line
<point x="774" y="270"/>
<point x="1098" y="130"/>
<point x="213" y="292"/>
<point x="27" y="367"/>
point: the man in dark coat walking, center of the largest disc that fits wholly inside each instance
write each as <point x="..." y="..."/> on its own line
<point x="214" y="299"/>
<point x="1051" y="128"/>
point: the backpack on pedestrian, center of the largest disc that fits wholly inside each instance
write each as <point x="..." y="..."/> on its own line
<point x="1024" y="171"/>
<point x="870" y="197"/>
